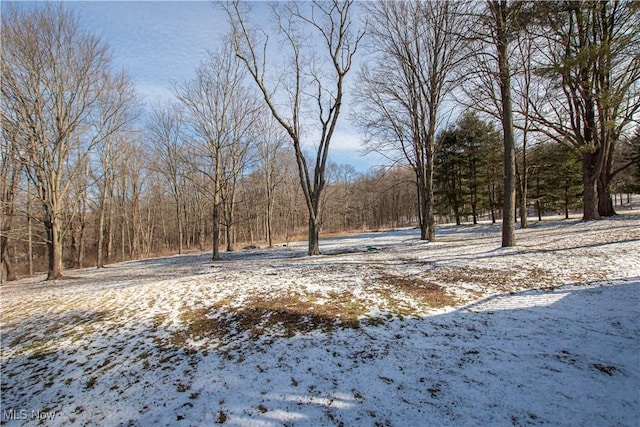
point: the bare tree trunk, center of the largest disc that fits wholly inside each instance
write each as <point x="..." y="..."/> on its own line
<point x="54" y="244"/>
<point x="100" y="229"/>
<point x="605" y="203"/>
<point x="217" y="205"/>
<point x="180" y="225"/>
<point x="269" y="214"/>
<point x="6" y="261"/>
<point x="202" y="221"/>
<point x="492" y="203"/>
<point x="9" y="176"/>
<point x="29" y="229"/>
<point x="136" y="222"/>
<point x="521" y="181"/>
<point x="216" y="232"/>
<point x="522" y="199"/>
<point x="499" y="11"/>
<point x="315" y="225"/>
<point x="111" y="224"/>
<point x="428" y="212"/>
<point x="81" y="248"/>
<point x="590" y="183"/>
<point x="229" y="232"/>
<point x="123" y="241"/>
<point x="314" y="237"/>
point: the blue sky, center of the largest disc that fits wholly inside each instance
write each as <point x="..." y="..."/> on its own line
<point x="160" y="42"/>
<point x="157" y="42"/>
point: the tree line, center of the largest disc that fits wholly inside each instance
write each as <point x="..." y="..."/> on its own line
<point x="546" y="96"/>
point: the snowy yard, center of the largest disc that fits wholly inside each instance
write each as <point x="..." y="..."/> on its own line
<point x="381" y="330"/>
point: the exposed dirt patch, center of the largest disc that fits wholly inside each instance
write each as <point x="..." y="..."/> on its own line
<point x="605" y="369"/>
<point x="517" y="278"/>
<point x="283" y="316"/>
<point x="397" y="290"/>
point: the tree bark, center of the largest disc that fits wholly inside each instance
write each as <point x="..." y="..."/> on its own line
<point x="217" y="205"/>
<point x="269" y="214"/>
<point x="8" y="188"/>
<point x="216" y="232"/>
<point x="428" y="213"/>
<point x="54" y="245"/>
<point x="180" y="228"/>
<point x="590" y="195"/>
<point x="522" y="201"/>
<point x="100" y="230"/>
<point x="230" y="236"/>
<point x="314" y="236"/>
<point x="605" y="203"/>
<point x="6" y="259"/>
<point x="499" y="9"/>
<point x="29" y="229"/>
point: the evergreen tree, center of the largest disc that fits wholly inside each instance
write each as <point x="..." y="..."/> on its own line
<point x="468" y="168"/>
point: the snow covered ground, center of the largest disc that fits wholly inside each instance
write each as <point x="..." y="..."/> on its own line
<point x="381" y="330"/>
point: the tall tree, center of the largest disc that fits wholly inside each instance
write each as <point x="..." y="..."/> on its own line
<point x="478" y="140"/>
<point x="313" y="83"/>
<point x="417" y="48"/>
<point x="501" y="34"/>
<point x="555" y="177"/>
<point x="236" y="157"/>
<point x="166" y="132"/>
<point x="449" y="171"/>
<point x="61" y="98"/>
<point x="524" y="90"/>
<point x="270" y="141"/>
<point x="497" y="25"/>
<point x="591" y="56"/>
<point x="78" y="200"/>
<point x="465" y="161"/>
<point x="220" y="112"/>
<point x="105" y="180"/>
<point x="10" y="172"/>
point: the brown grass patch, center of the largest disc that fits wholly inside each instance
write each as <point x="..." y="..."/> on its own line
<point x="283" y="316"/>
<point x="482" y="276"/>
<point x="518" y="277"/>
<point x="416" y="289"/>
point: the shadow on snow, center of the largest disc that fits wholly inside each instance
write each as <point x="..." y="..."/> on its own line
<point x="569" y="357"/>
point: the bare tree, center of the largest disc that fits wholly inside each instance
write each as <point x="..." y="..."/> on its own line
<point x="417" y="46"/>
<point x="56" y="82"/>
<point x="107" y="154"/>
<point x="269" y="144"/>
<point x="166" y="132"/>
<point x="220" y="114"/>
<point x="78" y="201"/>
<point x="130" y="223"/>
<point x="312" y="84"/>
<point x="490" y="89"/>
<point x="235" y="159"/>
<point x="501" y="35"/>
<point x="340" y="196"/>
<point x="10" y="172"/>
<point x="524" y="90"/>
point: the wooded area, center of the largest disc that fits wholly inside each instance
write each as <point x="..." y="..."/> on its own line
<point x="484" y="110"/>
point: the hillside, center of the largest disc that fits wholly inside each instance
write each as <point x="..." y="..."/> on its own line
<point x="382" y="329"/>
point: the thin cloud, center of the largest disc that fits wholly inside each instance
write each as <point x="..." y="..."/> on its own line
<point x="156" y="42"/>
